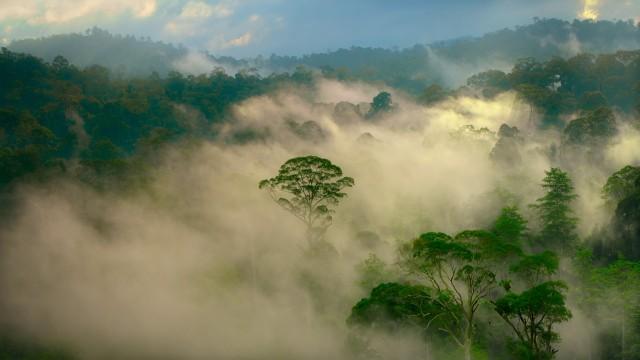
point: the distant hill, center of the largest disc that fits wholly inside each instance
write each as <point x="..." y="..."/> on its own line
<point x="123" y="54"/>
<point x="447" y="63"/>
<point x="452" y="62"/>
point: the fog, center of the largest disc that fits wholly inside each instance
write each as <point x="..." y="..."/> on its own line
<point x="202" y="264"/>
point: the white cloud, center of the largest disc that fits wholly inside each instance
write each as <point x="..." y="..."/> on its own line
<point x="220" y="42"/>
<point x="38" y="12"/>
<point x="242" y="40"/>
<point x="200" y="10"/>
<point x="193" y="18"/>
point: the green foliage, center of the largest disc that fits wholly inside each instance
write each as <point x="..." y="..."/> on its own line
<point x="488" y="246"/>
<point x="50" y="113"/>
<point x="592" y="100"/>
<point x="592" y="128"/>
<point x="621" y="184"/>
<point x="537" y="267"/>
<point x="556" y="216"/>
<point x="491" y="82"/>
<point x="510" y="226"/>
<point x="432" y="94"/>
<point x="380" y="105"/>
<point x="373" y="271"/>
<point x="314" y="186"/>
<point x="622" y="194"/>
<point x="532" y="315"/>
<point x="391" y="305"/>
<point x="12" y="348"/>
<point x="458" y="269"/>
<point x="587" y="83"/>
<point x="611" y="294"/>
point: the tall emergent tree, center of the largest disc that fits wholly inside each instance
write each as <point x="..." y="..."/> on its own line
<point x="459" y="269"/>
<point x="308" y="187"/>
<point x="556" y="216"/>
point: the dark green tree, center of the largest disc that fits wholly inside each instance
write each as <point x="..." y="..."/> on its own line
<point x="554" y="210"/>
<point x="432" y="94"/>
<point x="592" y="128"/>
<point x="532" y="314"/>
<point x="381" y="104"/>
<point x="491" y="82"/>
<point x="309" y="187"/>
<point x="621" y="184"/>
<point x="612" y="295"/>
<point x="391" y="305"/>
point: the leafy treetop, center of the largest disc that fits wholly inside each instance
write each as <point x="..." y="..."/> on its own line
<point x="308" y="187"/>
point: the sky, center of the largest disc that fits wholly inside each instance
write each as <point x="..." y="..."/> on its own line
<point x="293" y="27"/>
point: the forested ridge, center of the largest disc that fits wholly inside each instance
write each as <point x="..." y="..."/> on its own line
<point x="543" y="250"/>
<point x="56" y="111"/>
<point x="446" y="63"/>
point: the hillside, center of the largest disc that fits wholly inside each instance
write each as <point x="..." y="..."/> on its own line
<point x="447" y="63"/>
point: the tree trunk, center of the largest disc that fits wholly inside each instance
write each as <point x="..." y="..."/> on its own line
<point x="623" y="333"/>
<point x="467" y="349"/>
<point x="468" y="338"/>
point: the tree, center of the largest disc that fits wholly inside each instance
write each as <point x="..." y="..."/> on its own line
<point x="391" y="305"/>
<point x="313" y="185"/>
<point x="622" y="195"/>
<point x="621" y="184"/>
<point x="592" y="128"/>
<point x="381" y="104"/>
<point x="536" y="268"/>
<point x="491" y="82"/>
<point x="432" y="94"/>
<point x="554" y="209"/>
<point x="506" y="151"/>
<point x="456" y="268"/>
<point x="372" y="272"/>
<point x="592" y="100"/>
<point x="510" y="226"/>
<point x="532" y="315"/>
<point x="615" y="289"/>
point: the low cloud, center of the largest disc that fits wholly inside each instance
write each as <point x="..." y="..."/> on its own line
<point x="241" y="40"/>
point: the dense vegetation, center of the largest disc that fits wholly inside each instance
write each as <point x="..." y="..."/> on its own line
<point x="54" y="112"/>
<point x="588" y="83"/>
<point x="499" y="292"/>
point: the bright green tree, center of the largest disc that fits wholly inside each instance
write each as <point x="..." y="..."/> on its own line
<point x="459" y="269"/>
